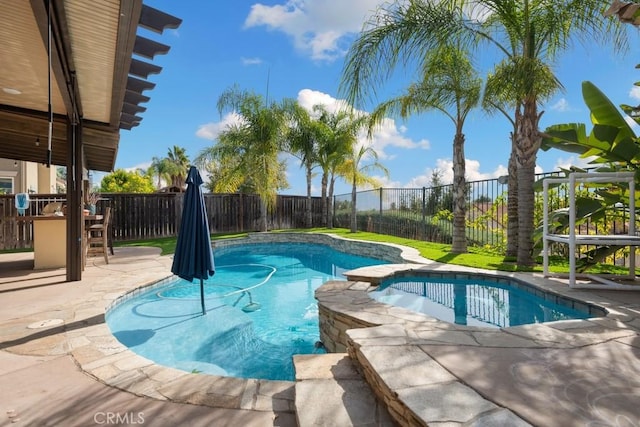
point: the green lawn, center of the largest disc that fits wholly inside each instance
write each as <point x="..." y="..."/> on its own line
<point x="476" y="257"/>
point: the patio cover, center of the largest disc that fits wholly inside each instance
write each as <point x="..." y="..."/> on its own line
<point x="96" y="86"/>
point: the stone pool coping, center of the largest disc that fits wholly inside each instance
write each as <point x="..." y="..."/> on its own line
<point x="101" y="356"/>
<point x="389" y="342"/>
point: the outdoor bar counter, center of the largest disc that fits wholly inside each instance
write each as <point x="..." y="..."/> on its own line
<point x="49" y="241"/>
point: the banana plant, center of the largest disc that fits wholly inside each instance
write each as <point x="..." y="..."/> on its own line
<point x="612" y="146"/>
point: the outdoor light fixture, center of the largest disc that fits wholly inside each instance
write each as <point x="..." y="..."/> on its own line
<point x="15" y="164"/>
<point x="37" y="141"/>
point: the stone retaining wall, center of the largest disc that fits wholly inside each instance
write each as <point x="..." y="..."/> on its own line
<point x="382" y="251"/>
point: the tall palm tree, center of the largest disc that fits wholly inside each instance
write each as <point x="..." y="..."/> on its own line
<point x="358" y="174"/>
<point x="247" y="152"/>
<point x="451" y="86"/>
<point x="530" y="34"/>
<point x="337" y="134"/>
<point x="501" y="95"/>
<point x="302" y="143"/>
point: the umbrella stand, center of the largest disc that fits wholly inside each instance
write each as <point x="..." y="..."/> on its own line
<point x="204" y="310"/>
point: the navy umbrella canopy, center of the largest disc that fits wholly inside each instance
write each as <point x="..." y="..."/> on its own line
<point x="193" y="258"/>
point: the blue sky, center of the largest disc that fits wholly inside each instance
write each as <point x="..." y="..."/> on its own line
<point x="297" y="47"/>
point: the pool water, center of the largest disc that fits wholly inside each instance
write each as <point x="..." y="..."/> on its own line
<point x="260" y="306"/>
<point x="473" y="302"/>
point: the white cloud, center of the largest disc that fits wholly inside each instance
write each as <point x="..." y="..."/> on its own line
<point x="140" y="166"/>
<point x="387" y="134"/>
<point x="251" y="61"/>
<point x="635" y="93"/>
<point x="445" y="166"/>
<point x="561" y="105"/>
<point x="318" y="27"/>
<point x="211" y="131"/>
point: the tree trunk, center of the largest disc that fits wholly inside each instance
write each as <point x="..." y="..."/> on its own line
<point x="323" y="196"/>
<point x="528" y="141"/>
<point x="332" y="182"/>
<point x="263" y="215"/>
<point x="459" y="244"/>
<point x="354" y="219"/>
<point x="307" y="210"/>
<point x="512" y="203"/>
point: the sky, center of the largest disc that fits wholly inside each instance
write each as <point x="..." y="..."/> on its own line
<point x="296" y="48"/>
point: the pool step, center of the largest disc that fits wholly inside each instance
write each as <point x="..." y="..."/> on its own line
<point x="329" y="391"/>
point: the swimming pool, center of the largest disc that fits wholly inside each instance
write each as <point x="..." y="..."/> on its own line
<point x="261" y="311"/>
<point x="475" y="300"/>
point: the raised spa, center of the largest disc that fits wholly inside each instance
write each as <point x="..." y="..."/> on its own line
<point x="479" y="300"/>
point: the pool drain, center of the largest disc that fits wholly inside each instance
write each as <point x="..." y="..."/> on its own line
<point x="45" y="323"/>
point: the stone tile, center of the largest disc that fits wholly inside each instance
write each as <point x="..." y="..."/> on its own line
<point x="446" y="402"/>
<point x="384" y="331"/>
<point x="132" y="362"/>
<point x="224" y="392"/>
<point x="542" y="335"/>
<point x="502" y="339"/>
<point x="324" y="366"/>
<point x="163" y="374"/>
<point x="248" y="399"/>
<point x="86" y="354"/>
<point x="78" y="342"/>
<point x="444" y="337"/>
<point x="107" y="360"/>
<point x="405" y="366"/>
<point x="499" y="418"/>
<point x="280" y="389"/>
<point x="104" y="372"/>
<point x="341" y="403"/>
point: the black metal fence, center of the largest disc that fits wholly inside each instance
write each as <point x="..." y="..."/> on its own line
<point x="426" y="213"/>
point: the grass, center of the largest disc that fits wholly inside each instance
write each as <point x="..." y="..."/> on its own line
<point x="476" y="256"/>
<point x="168" y="244"/>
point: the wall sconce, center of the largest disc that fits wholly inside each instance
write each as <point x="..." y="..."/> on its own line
<point x="15" y="164"/>
<point x="37" y="141"/>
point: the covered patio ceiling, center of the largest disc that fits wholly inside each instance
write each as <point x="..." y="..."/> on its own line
<point x="95" y="80"/>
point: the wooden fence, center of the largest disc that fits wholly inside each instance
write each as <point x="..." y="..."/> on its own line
<point x="148" y="216"/>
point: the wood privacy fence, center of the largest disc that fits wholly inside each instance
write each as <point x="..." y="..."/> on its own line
<point x="148" y="216"/>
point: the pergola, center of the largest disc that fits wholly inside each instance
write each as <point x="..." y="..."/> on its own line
<point x="69" y="83"/>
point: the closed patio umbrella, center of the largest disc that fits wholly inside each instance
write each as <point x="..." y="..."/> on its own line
<point x="193" y="258"/>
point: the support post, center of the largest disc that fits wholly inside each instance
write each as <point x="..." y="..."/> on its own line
<point x="75" y="221"/>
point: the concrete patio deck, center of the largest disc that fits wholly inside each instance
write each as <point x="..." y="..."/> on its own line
<point x="59" y="365"/>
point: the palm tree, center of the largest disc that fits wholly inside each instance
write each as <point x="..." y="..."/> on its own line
<point x="501" y="95"/>
<point x="357" y="174"/>
<point x="302" y="143"/>
<point x="530" y="34"/>
<point x="337" y="134"/>
<point x="247" y="152"/>
<point x="451" y="86"/>
<point x="176" y="165"/>
<point x="159" y="168"/>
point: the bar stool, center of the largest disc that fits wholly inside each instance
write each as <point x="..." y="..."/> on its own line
<point x="98" y="237"/>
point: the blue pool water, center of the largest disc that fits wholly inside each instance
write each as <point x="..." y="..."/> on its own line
<point x="274" y="284"/>
<point x="474" y="302"/>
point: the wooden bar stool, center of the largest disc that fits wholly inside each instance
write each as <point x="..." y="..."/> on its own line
<point x="98" y="237"/>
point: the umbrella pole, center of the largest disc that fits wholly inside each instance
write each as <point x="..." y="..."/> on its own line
<point x="204" y="311"/>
